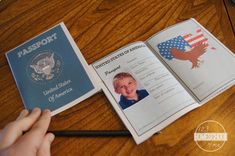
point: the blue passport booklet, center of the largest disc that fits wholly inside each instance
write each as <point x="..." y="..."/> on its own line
<point x="150" y="84"/>
<point x="50" y="71"/>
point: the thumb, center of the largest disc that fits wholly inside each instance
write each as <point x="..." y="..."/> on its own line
<point x="45" y="148"/>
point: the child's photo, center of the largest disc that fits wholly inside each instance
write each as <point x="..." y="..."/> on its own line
<point x="126" y="86"/>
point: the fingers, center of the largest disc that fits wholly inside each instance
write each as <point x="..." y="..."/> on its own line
<point x="39" y="129"/>
<point x="16" y="128"/>
<point x="26" y="123"/>
<point x="45" y="147"/>
<point x="35" y="138"/>
<point x="23" y="114"/>
<point x="41" y="126"/>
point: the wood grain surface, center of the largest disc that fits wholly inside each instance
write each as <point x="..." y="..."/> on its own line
<point x="100" y="27"/>
<point x="230" y="7"/>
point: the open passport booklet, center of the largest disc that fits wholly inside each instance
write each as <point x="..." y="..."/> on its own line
<point x="150" y="84"/>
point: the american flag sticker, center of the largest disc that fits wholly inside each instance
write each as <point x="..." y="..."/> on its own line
<point x="195" y="40"/>
<point x="177" y="42"/>
<point x="183" y="43"/>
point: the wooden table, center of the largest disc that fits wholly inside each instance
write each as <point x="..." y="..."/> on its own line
<point x="99" y="27"/>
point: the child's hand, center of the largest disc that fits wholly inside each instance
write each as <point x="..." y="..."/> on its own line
<point x="34" y="142"/>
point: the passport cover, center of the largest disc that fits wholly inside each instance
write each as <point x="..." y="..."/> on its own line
<point x="49" y="71"/>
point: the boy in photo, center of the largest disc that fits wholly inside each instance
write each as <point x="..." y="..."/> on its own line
<point x="125" y="85"/>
